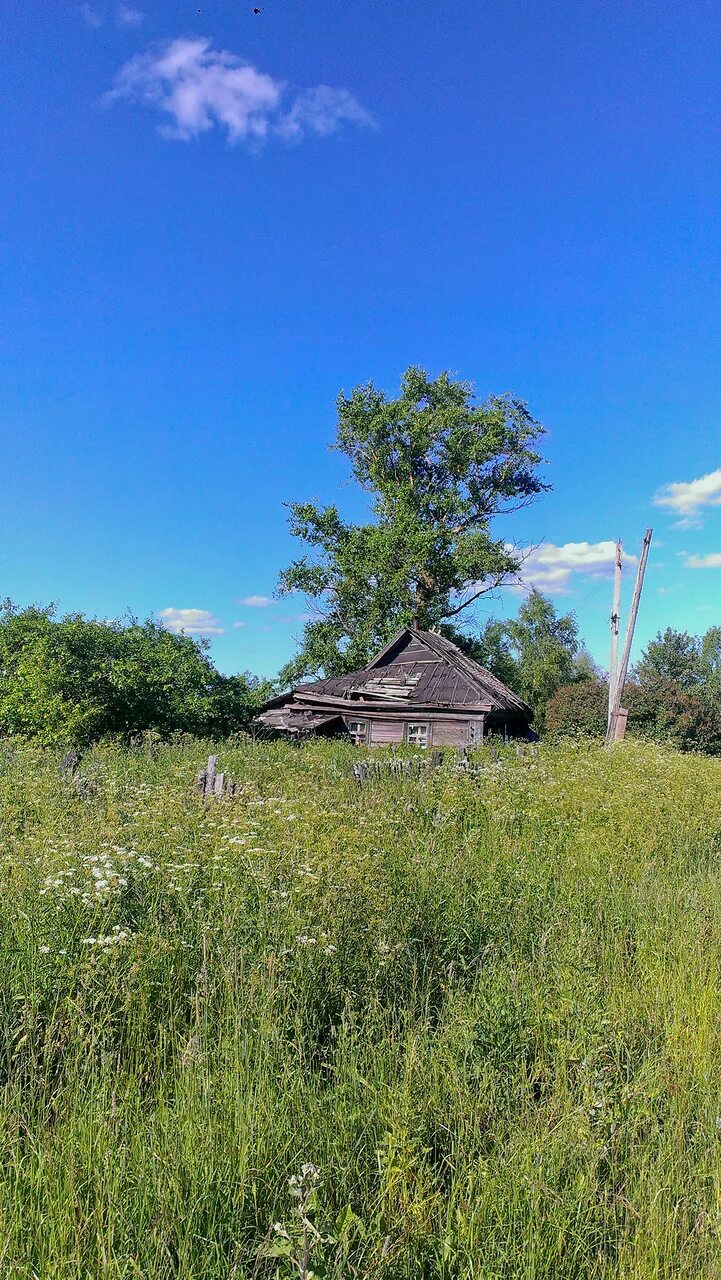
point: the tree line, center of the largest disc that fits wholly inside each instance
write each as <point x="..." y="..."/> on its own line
<point x="437" y="470"/>
<point x="73" y="680"/>
<point x="673" y="695"/>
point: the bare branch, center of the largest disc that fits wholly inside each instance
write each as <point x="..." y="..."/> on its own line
<point x="492" y="586"/>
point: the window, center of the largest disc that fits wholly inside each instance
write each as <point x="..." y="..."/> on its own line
<point x="358" y="730"/>
<point x="417" y="735"/>
<point x="475" y="732"/>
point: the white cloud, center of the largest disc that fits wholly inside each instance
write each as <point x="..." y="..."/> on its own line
<point x="198" y="87"/>
<point x="194" y="622"/>
<point x="322" y="110"/>
<point x="711" y="561"/>
<point x="256" y="602"/>
<point x="549" y="567"/>
<point x="687" y="498"/>
<point x="240" y="624"/>
<point x="129" y="17"/>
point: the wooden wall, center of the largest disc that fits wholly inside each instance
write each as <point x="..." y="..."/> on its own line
<point x="392" y="730"/>
<point x="449" y="733"/>
<point x="384" y="732"/>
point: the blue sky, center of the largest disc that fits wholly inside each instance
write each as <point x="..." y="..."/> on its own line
<point x="212" y="221"/>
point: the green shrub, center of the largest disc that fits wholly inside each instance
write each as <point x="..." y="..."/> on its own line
<point x="74" y="680"/>
<point x="690" y="719"/>
<point x="578" y="708"/>
<point x="659" y="709"/>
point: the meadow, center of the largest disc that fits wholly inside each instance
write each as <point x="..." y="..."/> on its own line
<point x="455" y="1026"/>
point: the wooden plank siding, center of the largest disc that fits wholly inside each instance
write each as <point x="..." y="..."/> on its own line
<point x="443" y="730"/>
<point x="385" y="732"/>
<point x="450" y="733"/>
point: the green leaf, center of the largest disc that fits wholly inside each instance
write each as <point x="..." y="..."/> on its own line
<point x="347" y="1222"/>
<point x="278" y="1248"/>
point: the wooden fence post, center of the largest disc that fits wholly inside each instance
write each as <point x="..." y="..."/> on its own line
<point x="210" y="775"/>
<point x="211" y="783"/>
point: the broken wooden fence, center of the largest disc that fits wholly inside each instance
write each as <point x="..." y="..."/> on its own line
<point x="211" y="783"/>
<point x="364" y="771"/>
<point x="373" y="770"/>
<point x="85" y="787"/>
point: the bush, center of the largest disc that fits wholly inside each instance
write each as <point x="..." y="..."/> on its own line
<point x="578" y="708"/>
<point x="74" y="680"/>
<point x="660" y="708"/>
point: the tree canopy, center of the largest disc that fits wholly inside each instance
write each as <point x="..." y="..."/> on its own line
<point x="674" y="695"/>
<point x="73" y="680"/>
<point x="545" y="646"/>
<point x="436" y="468"/>
<point x="710" y="656"/>
<point x="672" y="655"/>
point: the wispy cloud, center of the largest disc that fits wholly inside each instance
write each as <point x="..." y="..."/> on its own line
<point x="129" y="17"/>
<point x="91" y="16"/>
<point x="194" y="622"/>
<point x="277" y="619"/>
<point x="197" y="88"/>
<point x="322" y="110"/>
<point x="549" y="567"/>
<point x="711" y="561"/>
<point x="256" y="602"/>
<point x="293" y="617"/>
<point x="689" y="498"/>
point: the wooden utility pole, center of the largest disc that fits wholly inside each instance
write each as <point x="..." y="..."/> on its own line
<point x="623" y="669"/>
<point x="615" y="620"/>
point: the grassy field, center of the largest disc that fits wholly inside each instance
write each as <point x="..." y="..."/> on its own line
<point x="455" y="1027"/>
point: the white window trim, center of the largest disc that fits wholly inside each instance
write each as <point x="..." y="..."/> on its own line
<point x="422" y="725"/>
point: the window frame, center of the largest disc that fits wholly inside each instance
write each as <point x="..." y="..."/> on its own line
<point x="425" y="727"/>
<point x="361" y="726"/>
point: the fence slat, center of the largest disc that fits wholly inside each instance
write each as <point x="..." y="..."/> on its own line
<point x="210" y="776"/>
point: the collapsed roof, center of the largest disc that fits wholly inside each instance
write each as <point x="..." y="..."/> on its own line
<point x="416" y="669"/>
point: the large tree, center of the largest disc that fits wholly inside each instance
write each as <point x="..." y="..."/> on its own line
<point x="436" y="467"/>
<point x="545" y="646"/>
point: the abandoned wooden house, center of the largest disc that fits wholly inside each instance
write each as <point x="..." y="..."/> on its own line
<point x="420" y="689"/>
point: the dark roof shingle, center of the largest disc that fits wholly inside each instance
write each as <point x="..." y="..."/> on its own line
<point x="444" y="676"/>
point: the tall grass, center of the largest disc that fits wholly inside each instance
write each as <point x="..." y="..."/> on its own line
<point x="454" y="1027"/>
